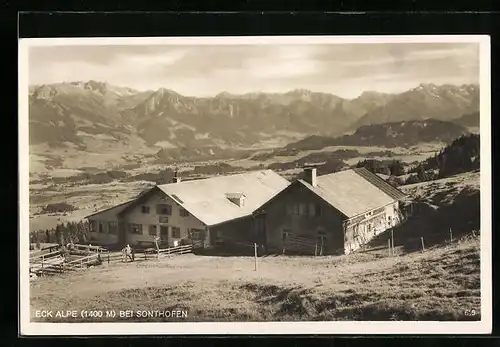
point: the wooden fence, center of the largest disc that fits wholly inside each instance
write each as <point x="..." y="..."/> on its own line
<point x="302" y="245"/>
<point x="58" y="264"/>
<point x="175" y="251"/>
<point x="239" y="243"/>
<point x="82" y="262"/>
<point x="54" y="262"/>
<point x="43" y="256"/>
<point x="47" y="266"/>
<point x="88" y="248"/>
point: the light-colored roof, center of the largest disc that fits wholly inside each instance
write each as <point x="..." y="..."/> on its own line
<point x="349" y="192"/>
<point x="116" y="209"/>
<point x="208" y="201"/>
<point x="380" y="183"/>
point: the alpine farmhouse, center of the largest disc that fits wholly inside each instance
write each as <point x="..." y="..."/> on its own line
<point x="330" y="214"/>
<point x="202" y="210"/>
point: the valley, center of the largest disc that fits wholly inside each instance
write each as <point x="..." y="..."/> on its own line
<point x="93" y="144"/>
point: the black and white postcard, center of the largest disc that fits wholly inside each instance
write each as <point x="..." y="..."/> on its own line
<point x="255" y="185"/>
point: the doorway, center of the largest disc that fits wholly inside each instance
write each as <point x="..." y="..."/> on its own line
<point x="164" y="234"/>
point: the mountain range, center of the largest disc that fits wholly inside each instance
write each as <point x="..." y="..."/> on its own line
<point x="97" y="116"/>
<point x="389" y="135"/>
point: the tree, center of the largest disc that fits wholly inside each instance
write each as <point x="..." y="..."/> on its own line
<point x="396" y="168"/>
<point x="85" y="232"/>
<point x="422" y="174"/>
<point x="37" y="240"/>
<point x="58" y="233"/>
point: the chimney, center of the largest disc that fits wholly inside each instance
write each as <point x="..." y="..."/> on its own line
<point x="310" y="175"/>
<point x="176" y="178"/>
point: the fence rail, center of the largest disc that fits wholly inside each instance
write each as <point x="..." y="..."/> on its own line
<point x="44" y="256"/>
<point x="51" y="265"/>
<point x="301" y="245"/>
<point x="81" y="262"/>
<point x="96" y="249"/>
<point x="242" y="243"/>
<point x="175" y="250"/>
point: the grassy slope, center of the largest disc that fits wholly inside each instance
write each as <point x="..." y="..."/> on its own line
<point x="439" y="284"/>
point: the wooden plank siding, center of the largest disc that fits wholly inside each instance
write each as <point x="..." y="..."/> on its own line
<point x="278" y="220"/>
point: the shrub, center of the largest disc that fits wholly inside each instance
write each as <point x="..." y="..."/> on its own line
<point x="60" y="207"/>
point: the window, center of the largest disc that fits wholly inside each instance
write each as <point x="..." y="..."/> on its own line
<point x="183" y="213"/>
<point x="312" y="209"/>
<point x="94" y="226"/>
<point x="145" y="209"/>
<point x="176" y="232"/>
<point x="152" y="230"/>
<point x="113" y="228"/>
<point x="315" y="210"/>
<point x="289" y="209"/>
<point x="101" y="227"/>
<point x="295" y="209"/>
<point x="285" y="234"/>
<point x="302" y="209"/>
<point x="318" y="211"/>
<point x="197" y="234"/>
<point x="164" y="209"/>
<point x="135" y="228"/>
<point x="163" y="220"/>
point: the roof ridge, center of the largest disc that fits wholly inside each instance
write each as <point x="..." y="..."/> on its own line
<point x="335" y="173"/>
<point x="220" y="177"/>
<point x="379" y="183"/>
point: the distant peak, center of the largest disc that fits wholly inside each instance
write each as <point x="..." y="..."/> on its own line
<point x="300" y="91"/>
<point x="224" y="95"/>
<point x="163" y="91"/>
<point x="370" y="93"/>
<point x="426" y="86"/>
<point x="447" y="86"/>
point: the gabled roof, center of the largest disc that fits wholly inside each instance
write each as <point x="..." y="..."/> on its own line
<point x="378" y="182"/>
<point x="350" y="192"/>
<point x="116" y="209"/>
<point x="207" y="199"/>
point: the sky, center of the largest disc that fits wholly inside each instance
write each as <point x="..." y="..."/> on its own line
<point x="343" y="69"/>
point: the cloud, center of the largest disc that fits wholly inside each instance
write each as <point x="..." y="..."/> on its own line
<point x="342" y="69"/>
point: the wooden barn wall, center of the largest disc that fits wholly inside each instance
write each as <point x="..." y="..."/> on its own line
<point x="279" y="220"/>
<point x="240" y="229"/>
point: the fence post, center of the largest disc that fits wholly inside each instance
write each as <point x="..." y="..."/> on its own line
<point x="392" y="240"/>
<point x="423" y="247"/>
<point x="316" y="250"/>
<point x="389" y="246"/>
<point x="321" y="249"/>
<point x="108" y="258"/>
<point x="451" y="236"/>
<point x="255" y="255"/>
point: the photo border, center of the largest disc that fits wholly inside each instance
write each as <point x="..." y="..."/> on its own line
<point x="484" y="326"/>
